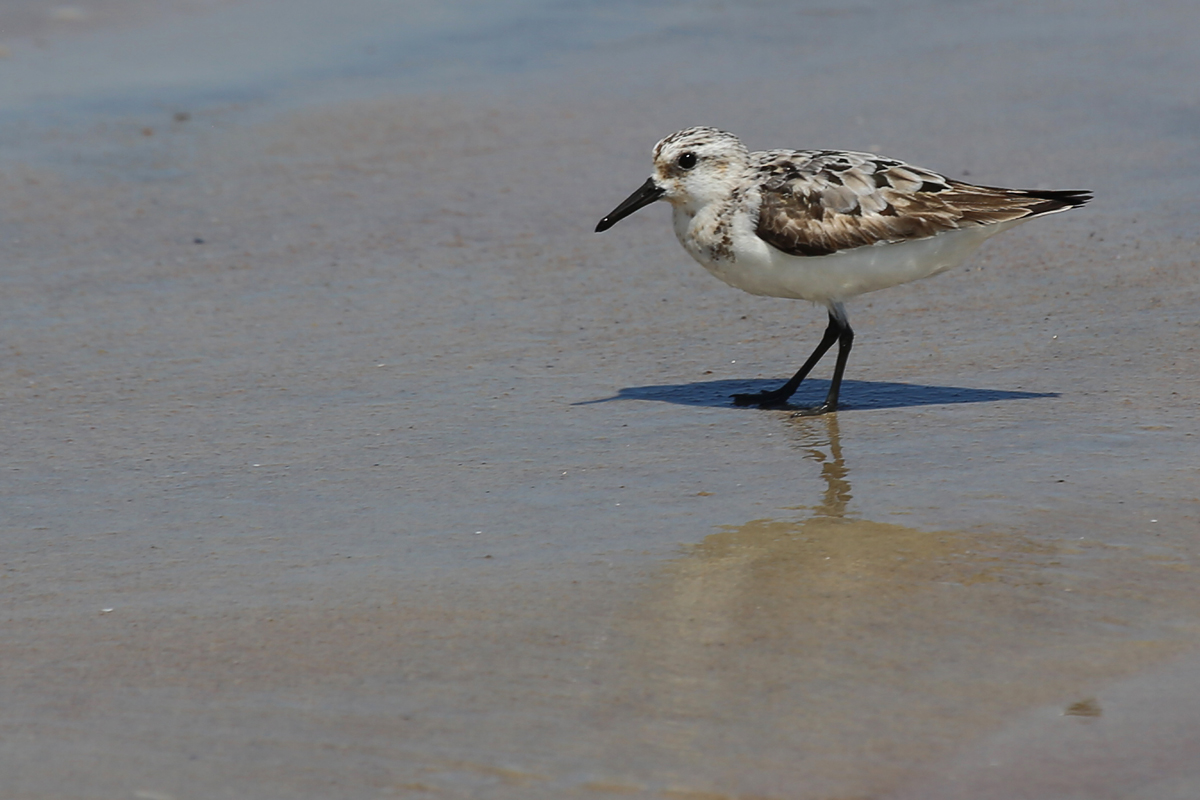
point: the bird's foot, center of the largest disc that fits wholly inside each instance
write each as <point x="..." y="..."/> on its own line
<point x="774" y="399"/>
<point x="815" y="411"/>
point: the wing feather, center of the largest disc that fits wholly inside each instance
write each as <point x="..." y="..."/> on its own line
<point x="817" y="202"/>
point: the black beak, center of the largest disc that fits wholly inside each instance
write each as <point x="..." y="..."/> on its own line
<point x="644" y="196"/>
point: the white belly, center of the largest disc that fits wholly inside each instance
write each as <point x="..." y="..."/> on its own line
<point x="760" y="269"/>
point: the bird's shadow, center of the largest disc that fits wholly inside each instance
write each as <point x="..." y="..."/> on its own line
<point x="855" y="395"/>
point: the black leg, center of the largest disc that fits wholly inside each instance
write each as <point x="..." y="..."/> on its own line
<point x="845" y="342"/>
<point x="837" y="331"/>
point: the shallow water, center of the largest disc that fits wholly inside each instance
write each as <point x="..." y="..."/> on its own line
<point x="344" y="460"/>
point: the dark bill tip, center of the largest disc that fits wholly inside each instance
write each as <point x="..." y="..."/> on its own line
<point x="646" y="194"/>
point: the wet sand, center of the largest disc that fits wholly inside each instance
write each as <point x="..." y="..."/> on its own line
<point x="344" y="460"/>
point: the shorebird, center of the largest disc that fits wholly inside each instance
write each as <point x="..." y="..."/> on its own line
<point x="822" y="225"/>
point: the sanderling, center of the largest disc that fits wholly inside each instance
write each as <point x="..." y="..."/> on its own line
<point x="822" y="225"/>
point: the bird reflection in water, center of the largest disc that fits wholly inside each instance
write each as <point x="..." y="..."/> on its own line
<point x="821" y="440"/>
<point x="803" y="628"/>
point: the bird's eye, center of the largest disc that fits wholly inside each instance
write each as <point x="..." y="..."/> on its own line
<point x="687" y="161"/>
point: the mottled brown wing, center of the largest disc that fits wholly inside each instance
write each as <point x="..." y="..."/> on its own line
<point x="815" y="203"/>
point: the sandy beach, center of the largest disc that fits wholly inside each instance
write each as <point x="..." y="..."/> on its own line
<point x="343" y="459"/>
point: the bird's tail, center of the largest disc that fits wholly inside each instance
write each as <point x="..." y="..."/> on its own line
<point x="1050" y="201"/>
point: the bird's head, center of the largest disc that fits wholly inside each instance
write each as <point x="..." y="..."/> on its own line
<point x="692" y="168"/>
